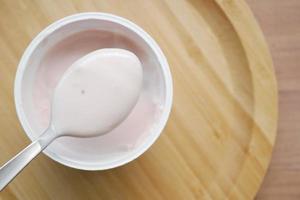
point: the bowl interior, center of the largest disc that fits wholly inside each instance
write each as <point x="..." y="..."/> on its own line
<point x="43" y="64"/>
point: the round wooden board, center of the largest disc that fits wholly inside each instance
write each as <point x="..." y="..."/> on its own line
<point x="219" y="139"/>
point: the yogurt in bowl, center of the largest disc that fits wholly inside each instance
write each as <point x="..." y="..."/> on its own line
<point x="51" y="53"/>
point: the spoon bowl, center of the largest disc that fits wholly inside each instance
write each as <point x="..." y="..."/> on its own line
<point x="96" y="93"/>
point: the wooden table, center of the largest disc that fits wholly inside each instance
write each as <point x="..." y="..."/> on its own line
<point x="280" y="22"/>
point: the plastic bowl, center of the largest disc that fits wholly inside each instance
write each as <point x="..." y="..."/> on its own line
<point x="147" y="119"/>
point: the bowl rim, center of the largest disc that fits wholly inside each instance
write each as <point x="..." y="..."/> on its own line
<point x="132" y="27"/>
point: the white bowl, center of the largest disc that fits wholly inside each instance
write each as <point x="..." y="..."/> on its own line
<point x="89" y="153"/>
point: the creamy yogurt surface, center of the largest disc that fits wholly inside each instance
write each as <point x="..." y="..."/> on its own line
<point x="126" y="137"/>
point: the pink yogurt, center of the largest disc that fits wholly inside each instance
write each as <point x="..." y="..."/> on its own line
<point x="126" y="136"/>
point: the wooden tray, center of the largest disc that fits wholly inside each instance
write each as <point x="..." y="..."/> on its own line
<point x="221" y="132"/>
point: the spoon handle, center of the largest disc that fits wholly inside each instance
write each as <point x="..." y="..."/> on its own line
<point x="12" y="168"/>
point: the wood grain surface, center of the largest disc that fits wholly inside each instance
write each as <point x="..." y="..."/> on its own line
<point x="219" y="139"/>
<point x="280" y="22"/>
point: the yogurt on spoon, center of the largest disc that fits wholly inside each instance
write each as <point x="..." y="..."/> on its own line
<point x="94" y="95"/>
